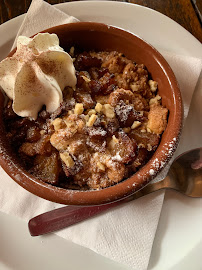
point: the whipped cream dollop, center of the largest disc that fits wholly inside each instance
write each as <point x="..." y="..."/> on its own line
<point x="37" y="74"/>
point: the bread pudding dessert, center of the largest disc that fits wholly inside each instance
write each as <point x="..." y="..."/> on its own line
<point x="104" y="127"/>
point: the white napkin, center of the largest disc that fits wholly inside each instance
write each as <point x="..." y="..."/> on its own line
<point x="124" y="234"/>
<point x="42" y="16"/>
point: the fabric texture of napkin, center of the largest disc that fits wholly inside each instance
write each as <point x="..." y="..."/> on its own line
<point x="124" y="234"/>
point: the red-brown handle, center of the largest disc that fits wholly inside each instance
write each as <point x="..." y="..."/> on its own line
<point x="63" y="217"/>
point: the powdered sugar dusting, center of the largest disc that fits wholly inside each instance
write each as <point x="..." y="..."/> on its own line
<point x="151" y="172"/>
<point x="157" y="164"/>
<point x="168" y="149"/>
<point x="117" y="157"/>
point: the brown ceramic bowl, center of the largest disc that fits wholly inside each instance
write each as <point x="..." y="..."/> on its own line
<point x="88" y="35"/>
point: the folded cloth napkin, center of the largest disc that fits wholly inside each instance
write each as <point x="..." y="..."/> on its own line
<point x="124" y="234"/>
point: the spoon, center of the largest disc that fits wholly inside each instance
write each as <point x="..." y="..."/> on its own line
<point x="185" y="176"/>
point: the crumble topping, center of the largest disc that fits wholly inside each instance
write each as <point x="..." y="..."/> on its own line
<point x="106" y="128"/>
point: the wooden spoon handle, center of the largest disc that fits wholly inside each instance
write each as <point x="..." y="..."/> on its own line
<point x="66" y="216"/>
<point x="63" y="217"/>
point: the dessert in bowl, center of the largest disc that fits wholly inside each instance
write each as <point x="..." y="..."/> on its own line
<point x="101" y="124"/>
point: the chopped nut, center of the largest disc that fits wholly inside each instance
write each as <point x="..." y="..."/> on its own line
<point x="149" y="147"/>
<point x="78" y="108"/>
<point x="141" y="113"/>
<point x="98" y="107"/>
<point x="141" y="145"/>
<point x="71" y="125"/>
<point x="58" y="124"/>
<point x="126" y="130"/>
<point x="101" y="166"/>
<point x="91" y="120"/>
<point x="136" y="163"/>
<point x="153" y="85"/>
<point x="70" y="112"/>
<point x="67" y="159"/>
<point x="108" y="110"/>
<point x="87" y="117"/>
<point x="149" y="130"/>
<point x="135" y="124"/>
<point x="134" y="87"/>
<point x="90" y="112"/>
<point x="115" y="139"/>
<point x="86" y="79"/>
<point x="154" y="100"/>
<point x="42" y="132"/>
<point x="71" y="51"/>
<point x="143" y="130"/>
<point x="113" y="142"/>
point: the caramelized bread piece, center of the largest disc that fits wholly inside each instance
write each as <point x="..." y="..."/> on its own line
<point x="157" y="118"/>
<point x="145" y="139"/>
<point x="40" y="147"/>
<point x="47" y="168"/>
<point x="122" y="149"/>
<point x="142" y="157"/>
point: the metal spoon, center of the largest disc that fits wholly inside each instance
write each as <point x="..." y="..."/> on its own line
<point x="185" y="176"/>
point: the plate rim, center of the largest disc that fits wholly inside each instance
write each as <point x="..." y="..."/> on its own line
<point x="61" y="6"/>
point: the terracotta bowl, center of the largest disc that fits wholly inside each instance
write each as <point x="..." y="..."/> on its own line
<point x="89" y="35"/>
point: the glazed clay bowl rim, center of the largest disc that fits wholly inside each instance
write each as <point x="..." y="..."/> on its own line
<point x="125" y="188"/>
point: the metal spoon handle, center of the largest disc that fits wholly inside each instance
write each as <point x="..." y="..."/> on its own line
<point x="63" y="217"/>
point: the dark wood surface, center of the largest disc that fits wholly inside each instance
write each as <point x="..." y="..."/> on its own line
<point x="187" y="13"/>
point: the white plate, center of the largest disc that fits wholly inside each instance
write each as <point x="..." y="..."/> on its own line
<point x="178" y="242"/>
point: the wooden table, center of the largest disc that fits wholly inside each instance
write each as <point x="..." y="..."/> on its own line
<point x="187" y="13"/>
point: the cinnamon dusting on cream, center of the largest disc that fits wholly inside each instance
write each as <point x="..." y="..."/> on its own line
<point x="37" y="74"/>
